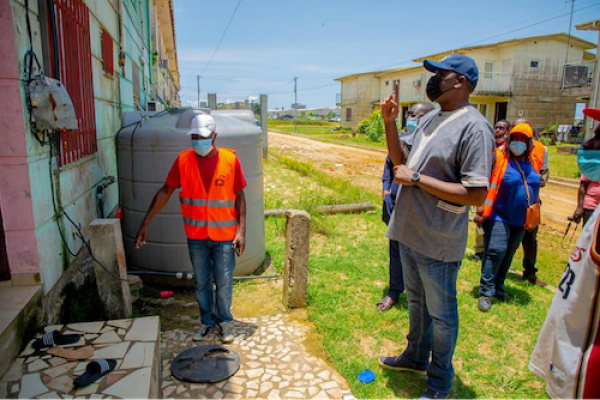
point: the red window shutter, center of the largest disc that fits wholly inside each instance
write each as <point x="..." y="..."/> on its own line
<point x="75" y="58"/>
<point x="107" y="53"/>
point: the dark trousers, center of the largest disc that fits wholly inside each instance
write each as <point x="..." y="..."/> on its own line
<point x="530" y="246"/>
<point x="587" y="213"/>
<point x="396" y="280"/>
<point x="501" y="243"/>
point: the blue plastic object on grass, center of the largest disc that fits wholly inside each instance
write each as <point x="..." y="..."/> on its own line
<point x="366" y="376"/>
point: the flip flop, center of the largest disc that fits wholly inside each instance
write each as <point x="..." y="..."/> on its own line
<point x="385" y="304"/>
<point x="94" y="371"/>
<point x="55" y="338"/>
<point x="81" y="353"/>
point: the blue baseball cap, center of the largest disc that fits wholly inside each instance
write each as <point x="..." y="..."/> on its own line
<point x="458" y="63"/>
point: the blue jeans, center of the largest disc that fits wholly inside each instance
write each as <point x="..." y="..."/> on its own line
<point x="396" y="286"/>
<point x="501" y="243"/>
<point x="213" y="260"/>
<point x="433" y="315"/>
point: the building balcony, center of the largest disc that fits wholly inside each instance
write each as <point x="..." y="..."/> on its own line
<point x="578" y="78"/>
<point x="493" y="84"/>
<point x="346" y="101"/>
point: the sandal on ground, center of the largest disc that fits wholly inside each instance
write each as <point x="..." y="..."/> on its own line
<point x="70" y="353"/>
<point x="385" y="304"/>
<point x="55" y="338"/>
<point x="94" y="371"/>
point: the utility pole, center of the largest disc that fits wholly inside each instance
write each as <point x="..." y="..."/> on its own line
<point x="295" y="103"/>
<point x="264" y="124"/>
<point x="569" y="39"/>
<point x="198" y="80"/>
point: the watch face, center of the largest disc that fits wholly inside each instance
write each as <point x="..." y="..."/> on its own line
<point x="416" y="176"/>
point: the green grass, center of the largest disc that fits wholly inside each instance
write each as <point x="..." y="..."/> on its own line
<point x="348" y="274"/>
<point x="363" y="140"/>
<point x="562" y="165"/>
<point x="304" y="129"/>
<point x="325" y="133"/>
<point x="303" y="121"/>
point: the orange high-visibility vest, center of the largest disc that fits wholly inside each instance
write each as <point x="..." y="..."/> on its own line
<point x="499" y="170"/>
<point x="537" y="155"/>
<point x="495" y="181"/>
<point x="208" y="215"/>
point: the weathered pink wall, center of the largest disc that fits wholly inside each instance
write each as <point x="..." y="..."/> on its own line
<point x="15" y="191"/>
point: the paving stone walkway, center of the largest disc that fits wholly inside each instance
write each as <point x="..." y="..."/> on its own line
<point x="274" y="364"/>
<point x="132" y="343"/>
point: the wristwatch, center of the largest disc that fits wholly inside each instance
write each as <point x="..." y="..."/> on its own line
<point x="416" y="177"/>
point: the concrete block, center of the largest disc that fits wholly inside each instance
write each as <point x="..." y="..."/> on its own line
<point x="295" y="269"/>
<point x="107" y="247"/>
<point x="25" y="279"/>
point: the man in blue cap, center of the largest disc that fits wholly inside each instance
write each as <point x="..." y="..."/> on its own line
<point x="447" y="170"/>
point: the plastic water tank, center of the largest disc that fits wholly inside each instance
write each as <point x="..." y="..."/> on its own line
<point x="146" y="151"/>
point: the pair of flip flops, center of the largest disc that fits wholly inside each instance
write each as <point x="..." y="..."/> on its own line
<point x="93" y="371"/>
<point x="55" y="338"/>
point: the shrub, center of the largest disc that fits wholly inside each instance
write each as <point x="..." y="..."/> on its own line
<point x="364" y="124"/>
<point x="375" y="129"/>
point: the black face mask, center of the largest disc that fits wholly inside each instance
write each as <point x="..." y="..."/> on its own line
<point x="433" y="88"/>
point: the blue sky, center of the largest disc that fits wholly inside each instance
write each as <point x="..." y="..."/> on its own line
<point x="269" y="42"/>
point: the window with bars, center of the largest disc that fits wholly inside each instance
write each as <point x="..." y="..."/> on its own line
<point x="74" y="56"/>
<point x="135" y="79"/>
<point x="107" y="53"/>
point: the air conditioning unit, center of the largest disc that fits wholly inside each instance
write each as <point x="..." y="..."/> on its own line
<point x="417" y="83"/>
<point x="164" y="63"/>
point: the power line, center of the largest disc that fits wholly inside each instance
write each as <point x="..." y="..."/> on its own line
<point x="222" y="37"/>
<point x="304" y="90"/>
<point x="534" y="24"/>
<point x="398" y="63"/>
<point x="323" y="77"/>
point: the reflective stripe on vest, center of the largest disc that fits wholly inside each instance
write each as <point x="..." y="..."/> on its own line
<point x="211" y="203"/>
<point x="495" y="182"/>
<point x="211" y="224"/>
<point x="208" y="215"/>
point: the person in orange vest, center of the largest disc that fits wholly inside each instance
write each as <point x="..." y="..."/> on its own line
<point x="213" y="206"/>
<point x="539" y="158"/>
<point x="515" y="184"/>
<point x="501" y="129"/>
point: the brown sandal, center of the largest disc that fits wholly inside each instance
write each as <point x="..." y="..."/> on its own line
<point x="385" y="304"/>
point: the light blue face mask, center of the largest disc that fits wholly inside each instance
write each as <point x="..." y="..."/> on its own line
<point x="517" y="148"/>
<point x="202" y="147"/>
<point x="411" y="124"/>
<point x="588" y="162"/>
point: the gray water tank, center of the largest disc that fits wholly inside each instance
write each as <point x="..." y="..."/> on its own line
<point x="146" y="151"/>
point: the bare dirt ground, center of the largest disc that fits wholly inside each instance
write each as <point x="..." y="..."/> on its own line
<point x="363" y="168"/>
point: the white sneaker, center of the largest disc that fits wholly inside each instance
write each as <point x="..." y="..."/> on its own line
<point x="226" y="332"/>
<point x="201" y="333"/>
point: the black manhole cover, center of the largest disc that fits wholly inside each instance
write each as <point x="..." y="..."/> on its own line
<point x="205" y="364"/>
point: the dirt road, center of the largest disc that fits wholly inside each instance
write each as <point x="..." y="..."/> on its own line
<point x="364" y="167"/>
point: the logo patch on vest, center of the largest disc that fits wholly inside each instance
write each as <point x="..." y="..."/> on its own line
<point x="220" y="181"/>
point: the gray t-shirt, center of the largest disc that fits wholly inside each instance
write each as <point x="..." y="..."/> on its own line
<point x="454" y="146"/>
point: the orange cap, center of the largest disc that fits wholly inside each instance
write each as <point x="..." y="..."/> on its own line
<point x="523" y="128"/>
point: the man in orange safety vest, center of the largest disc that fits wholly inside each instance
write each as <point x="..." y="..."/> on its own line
<point x="213" y="207"/>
